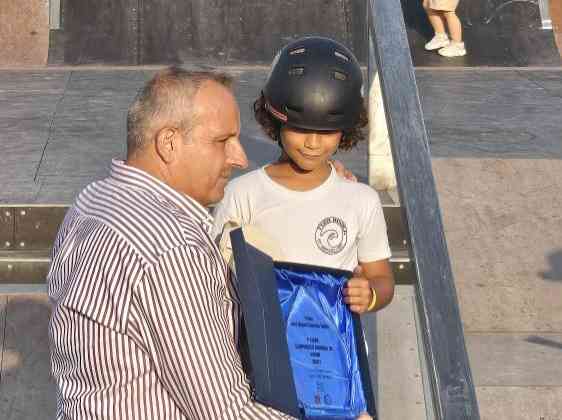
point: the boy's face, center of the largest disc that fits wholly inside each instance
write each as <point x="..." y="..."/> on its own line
<point x="309" y="150"/>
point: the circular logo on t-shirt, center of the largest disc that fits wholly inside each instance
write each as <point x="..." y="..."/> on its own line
<point x="331" y="235"/>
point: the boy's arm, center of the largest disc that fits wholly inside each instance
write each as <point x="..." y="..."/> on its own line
<point x="373" y="281"/>
<point x="368" y="278"/>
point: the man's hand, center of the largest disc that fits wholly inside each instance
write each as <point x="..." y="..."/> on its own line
<point x="342" y="171"/>
<point x="364" y="416"/>
<point x="357" y="292"/>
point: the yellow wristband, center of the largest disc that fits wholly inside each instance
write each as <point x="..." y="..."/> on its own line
<point x="373" y="300"/>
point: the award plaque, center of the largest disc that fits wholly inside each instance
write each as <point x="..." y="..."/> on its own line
<point x="306" y="350"/>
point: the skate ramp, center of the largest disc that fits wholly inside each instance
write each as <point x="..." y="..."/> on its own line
<point x="494" y="138"/>
<point x="501" y="33"/>
<point x="161" y="31"/>
<point x="496" y="33"/>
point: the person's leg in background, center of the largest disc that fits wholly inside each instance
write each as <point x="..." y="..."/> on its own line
<point x="456" y="47"/>
<point x="437" y="21"/>
<point x="454" y="25"/>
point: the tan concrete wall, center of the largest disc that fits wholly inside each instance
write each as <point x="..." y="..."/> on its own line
<point x="24" y="32"/>
<point x="503" y="226"/>
<point x="556" y="16"/>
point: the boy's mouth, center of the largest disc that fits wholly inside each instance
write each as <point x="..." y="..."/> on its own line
<point x="309" y="156"/>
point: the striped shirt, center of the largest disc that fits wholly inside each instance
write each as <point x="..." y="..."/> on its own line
<point x="145" y="321"/>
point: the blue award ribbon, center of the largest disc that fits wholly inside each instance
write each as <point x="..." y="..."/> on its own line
<point x="321" y="341"/>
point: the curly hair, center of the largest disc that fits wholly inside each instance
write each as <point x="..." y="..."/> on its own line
<point x="272" y="127"/>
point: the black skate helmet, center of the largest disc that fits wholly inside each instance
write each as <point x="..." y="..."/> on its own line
<point x="315" y="84"/>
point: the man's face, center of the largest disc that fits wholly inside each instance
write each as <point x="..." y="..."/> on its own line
<point x="212" y="148"/>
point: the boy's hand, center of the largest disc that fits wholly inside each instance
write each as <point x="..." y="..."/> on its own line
<point x="357" y="292"/>
<point x="364" y="416"/>
<point x="343" y="171"/>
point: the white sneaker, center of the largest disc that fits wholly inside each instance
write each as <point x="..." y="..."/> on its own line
<point x="438" y="41"/>
<point x="454" y="49"/>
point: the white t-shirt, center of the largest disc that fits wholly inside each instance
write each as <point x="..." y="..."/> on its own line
<point x="334" y="225"/>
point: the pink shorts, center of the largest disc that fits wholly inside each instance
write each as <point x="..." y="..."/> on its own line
<point x="441" y="5"/>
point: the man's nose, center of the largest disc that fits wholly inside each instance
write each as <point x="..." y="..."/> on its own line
<point x="236" y="155"/>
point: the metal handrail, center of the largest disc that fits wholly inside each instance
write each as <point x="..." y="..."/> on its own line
<point x="453" y="394"/>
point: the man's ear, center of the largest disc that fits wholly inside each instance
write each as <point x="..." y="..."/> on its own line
<point x="167" y="143"/>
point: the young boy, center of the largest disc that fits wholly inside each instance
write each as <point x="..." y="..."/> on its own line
<point x="441" y="12"/>
<point x="312" y="106"/>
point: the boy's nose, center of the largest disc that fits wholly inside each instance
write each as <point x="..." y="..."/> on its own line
<point x="312" y="141"/>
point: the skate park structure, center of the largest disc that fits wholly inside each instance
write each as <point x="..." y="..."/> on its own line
<point x="494" y="137"/>
<point x="133" y="32"/>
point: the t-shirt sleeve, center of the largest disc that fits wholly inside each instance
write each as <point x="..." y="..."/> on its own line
<point x="373" y="238"/>
<point x="228" y="209"/>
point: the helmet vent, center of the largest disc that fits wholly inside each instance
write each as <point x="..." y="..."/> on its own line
<point x="338" y="75"/>
<point x="342" y="56"/>
<point x="334" y="116"/>
<point x="296" y="71"/>
<point x="297" y="51"/>
<point x="293" y="109"/>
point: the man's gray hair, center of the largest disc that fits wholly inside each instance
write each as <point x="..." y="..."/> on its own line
<point x="166" y="101"/>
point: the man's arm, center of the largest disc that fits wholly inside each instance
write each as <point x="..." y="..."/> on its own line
<point x="342" y="171"/>
<point x="187" y="318"/>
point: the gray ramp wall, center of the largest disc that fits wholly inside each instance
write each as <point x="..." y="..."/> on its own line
<point x="169" y="31"/>
<point x="132" y="32"/>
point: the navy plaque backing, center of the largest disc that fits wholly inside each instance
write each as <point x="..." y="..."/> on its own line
<point x="271" y="376"/>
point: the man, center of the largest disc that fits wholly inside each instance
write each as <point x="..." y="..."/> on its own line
<point x="145" y="323"/>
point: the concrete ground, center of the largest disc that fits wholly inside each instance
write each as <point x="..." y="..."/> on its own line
<point x="496" y="144"/>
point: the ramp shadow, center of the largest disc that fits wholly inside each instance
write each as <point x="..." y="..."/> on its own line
<point x="535" y="339"/>
<point x="27" y="390"/>
<point x="555" y="271"/>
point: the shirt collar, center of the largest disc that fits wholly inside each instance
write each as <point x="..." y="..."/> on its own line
<point x="140" y="179"/>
